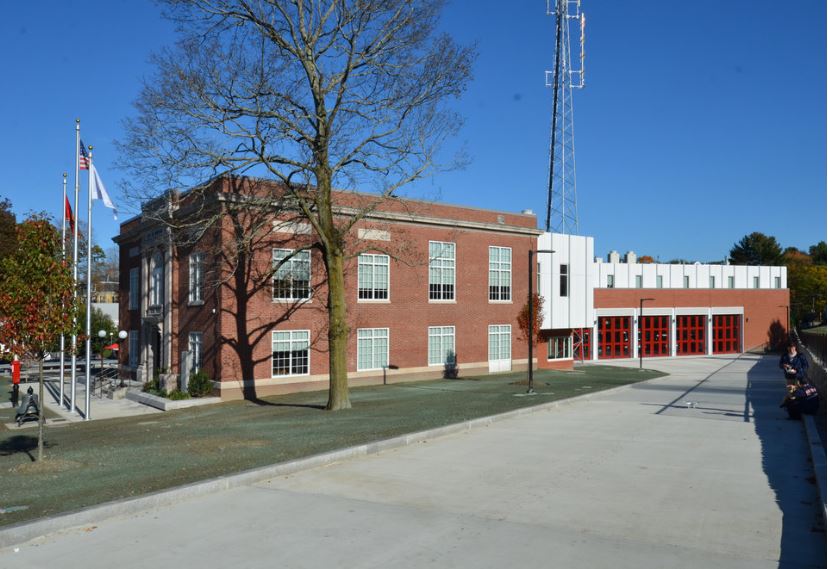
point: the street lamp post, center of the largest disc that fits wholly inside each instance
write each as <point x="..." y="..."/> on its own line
<point x="102" y="336"/>
<point x="122" y="335"/>
<point x="640" y="334"/>
<point x="531" y="331"/>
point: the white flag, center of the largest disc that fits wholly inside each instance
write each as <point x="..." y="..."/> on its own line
<point x="99" y="190"/>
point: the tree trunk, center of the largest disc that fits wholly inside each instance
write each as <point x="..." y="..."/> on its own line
<point x="338" y="397"/>
<point x="41" y="411"/>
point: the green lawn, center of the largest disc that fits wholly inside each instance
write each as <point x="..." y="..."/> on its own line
<point x="99" y="461"/>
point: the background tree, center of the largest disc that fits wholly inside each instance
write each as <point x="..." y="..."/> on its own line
<point x="646" y="259"/>
<point x="347" y="93"/>
<point x="818" y="253"/>
<point x="756" y="249"/>
<point x="8" y="225"/>
<point x="36" y="298"/>
<point x="807" y="283"/>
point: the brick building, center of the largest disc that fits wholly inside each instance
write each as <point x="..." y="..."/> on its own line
<point x="433" y="288"/>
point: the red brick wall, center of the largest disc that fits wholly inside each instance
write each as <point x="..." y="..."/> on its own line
<point x="762" y="308"/>
<point x="407" y="314"/>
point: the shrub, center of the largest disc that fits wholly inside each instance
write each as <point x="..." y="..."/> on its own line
<point x="177" y="395"/>
<point x="200" y="384"/>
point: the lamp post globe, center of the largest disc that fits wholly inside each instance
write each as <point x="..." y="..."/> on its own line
<point x="101" y="333"/>
<point x="122" y="334"/>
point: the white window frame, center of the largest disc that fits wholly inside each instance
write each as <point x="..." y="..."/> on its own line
<point x="196" y="282"/>
<point x="373" y="264"/>
<point x="293" y="337"/>
<point x="442" y="270"/>
<point x="134" y="348"/>
<point x="500" y="272"/>
<point x="686" y="279"/>
<point x="755" y="282"/>
<point x="441" y="347"/>
<point x="372" y="339"/>
<point x="731" y="282"/>
<point x="712" y="281"/>
<point x="554" y="343"/>
<point x="610" y="281"/>
<point x="195" y="344"/>
<point x="639" y="281"/>
<point x="500" y="330"/>
<point x="135" y="288"/>
<point x="156" y="281"/>
<point x="299" y="262"/>
<point x="777" y="282"/>
<point x="659" y="281"/>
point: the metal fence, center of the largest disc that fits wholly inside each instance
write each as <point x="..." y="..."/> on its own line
<point x="816" y="344"/>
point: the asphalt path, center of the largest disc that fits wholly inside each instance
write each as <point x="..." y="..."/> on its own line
<point x="697" y="470"/>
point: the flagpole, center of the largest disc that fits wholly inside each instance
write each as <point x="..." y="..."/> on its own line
<point x="72" y="406"/>
<point x="89" y="293"/>
<point x="63" y="256"/>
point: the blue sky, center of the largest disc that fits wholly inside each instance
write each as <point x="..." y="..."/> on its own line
<point x="700" y="122"/>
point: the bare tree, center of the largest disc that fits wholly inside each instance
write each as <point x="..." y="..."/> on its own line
<point x="311" y="94"/>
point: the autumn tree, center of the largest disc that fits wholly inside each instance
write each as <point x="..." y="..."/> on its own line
<point x="37" y="303"/>
<point x="537" y="318"/>
<point x="313" y="95"/>
<point x="646" y="259"/>
<point x="756" y="249"/>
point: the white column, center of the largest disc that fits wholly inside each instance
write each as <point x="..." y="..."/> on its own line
<point x="709" y="343"/>
<point x="673" y="334"/>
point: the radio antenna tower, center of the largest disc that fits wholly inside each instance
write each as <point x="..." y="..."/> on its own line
<point x="561" y="202"/>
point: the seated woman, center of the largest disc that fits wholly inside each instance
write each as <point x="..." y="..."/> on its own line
<point x="795" y="365"/>
<point x="802" y="399"/>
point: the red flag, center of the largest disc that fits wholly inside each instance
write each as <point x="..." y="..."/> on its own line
<point x="68" y="214"/>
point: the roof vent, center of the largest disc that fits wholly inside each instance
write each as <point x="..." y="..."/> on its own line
<point x="527" y="212"/>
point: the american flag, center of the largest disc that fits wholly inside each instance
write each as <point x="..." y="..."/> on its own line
<point x="83" y="161"/>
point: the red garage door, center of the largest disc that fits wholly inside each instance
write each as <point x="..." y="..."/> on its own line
<point x="614" y="337"/>
<point x="727" y="333"/>
<point x="654" y="335"/>
<point x="690" y="333"/>
<point x="582" y="339"/>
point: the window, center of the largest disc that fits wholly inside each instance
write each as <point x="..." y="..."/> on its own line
<point x="731" y="282"/>
<point x="777" y="282"/>
<point x="373" y="277"/>
<point x="559" y="348"/>
<point x="292" y="278"/>
<point x="134" y="289"/>
<point x="500" y="342"/>
<point x="686" y="282"/>
<point x="564" y="280"/>
<point x="441" y="345"/>
<point x="196" y="278"/>
<point x="441" y="259"/>
<point x="134" y="348"/>
<point x="659" y="281"/>
<point x="372" y="348"/>
<point x="500" y="273"/>
<point x="156" y="292"/>
<point x="291" y="353"/>
<point x="639" y="281"/>
<point x="197" y="350"/>
<point x="755" y="282"/>
<point x="610" y="281"/>
<point x="712" y="281"/>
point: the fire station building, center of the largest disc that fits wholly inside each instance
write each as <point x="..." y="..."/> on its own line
<point x="431" y="289"/>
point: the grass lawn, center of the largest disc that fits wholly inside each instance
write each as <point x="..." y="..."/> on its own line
<point x="89" y="463"/>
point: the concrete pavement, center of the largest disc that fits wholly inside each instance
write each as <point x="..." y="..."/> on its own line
<point x="700" y="469"/>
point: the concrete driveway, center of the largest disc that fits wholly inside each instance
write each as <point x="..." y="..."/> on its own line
<point x="696" y="470"/>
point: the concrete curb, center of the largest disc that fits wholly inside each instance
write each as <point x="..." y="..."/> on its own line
<point x="167" y="404"/>
<point x="817" y="459"/>
<point x="27" y="531"/>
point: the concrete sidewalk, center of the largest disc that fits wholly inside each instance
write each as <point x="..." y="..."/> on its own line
<point x="699" y="469"/>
